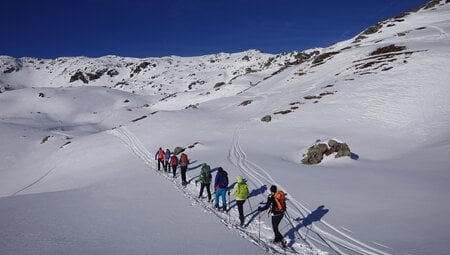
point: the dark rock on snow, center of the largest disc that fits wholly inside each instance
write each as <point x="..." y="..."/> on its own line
<point x="317" y="151"/>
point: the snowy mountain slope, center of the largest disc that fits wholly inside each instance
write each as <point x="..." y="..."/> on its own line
<point x="383" y="92"/>
<point x="145" y="76"/>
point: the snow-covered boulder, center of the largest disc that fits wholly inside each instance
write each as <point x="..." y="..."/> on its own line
<point x="316" y="152"/>
<point x="341" y="149"/>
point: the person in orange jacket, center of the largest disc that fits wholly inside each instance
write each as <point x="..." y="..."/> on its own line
<point x="160" y="157"/>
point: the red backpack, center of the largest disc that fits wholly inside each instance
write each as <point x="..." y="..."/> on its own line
<point x="174" y="160"/>
<point x="184" y="159"/>
<point x="161" y="154"/>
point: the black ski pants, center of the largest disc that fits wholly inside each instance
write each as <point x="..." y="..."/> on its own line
<point x="166" y="166"/>
<point x="240" y="206"/>
<point x="276" y="219"/>
<point x="183" y="170"/>
<point x="174" y="170"/>
<point x="160" y="162"/>
<point x="208" y="190"/>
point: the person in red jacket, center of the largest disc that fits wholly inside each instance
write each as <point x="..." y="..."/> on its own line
<point x="184" y="162"/>
<point x="174" y="163"/>
<point x="160" y="157"/>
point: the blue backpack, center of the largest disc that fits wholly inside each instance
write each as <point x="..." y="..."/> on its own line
<point x="223" y="180"/>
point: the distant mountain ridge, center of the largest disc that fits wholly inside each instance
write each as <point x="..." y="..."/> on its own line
<point x="167" y="75"/>
<point x="147" y="74"/>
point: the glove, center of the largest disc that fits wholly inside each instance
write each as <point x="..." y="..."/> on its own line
<point x="228" y="193"/>
<point x="259" y="208"/>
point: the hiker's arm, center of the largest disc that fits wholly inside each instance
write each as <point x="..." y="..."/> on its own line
<point x="266" y="206"/>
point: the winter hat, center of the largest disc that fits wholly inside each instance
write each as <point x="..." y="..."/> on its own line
<point x="273" y="188"/>
<point x="206" y="167"/>
<point x="239" y="179"/>
<point x="220" y="169"/>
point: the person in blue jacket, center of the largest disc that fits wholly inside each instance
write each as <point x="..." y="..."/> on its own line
<point x="166" y="160"/>
<point x="221" y="187"/>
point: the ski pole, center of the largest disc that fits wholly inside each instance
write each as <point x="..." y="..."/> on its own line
<point x="250" y="204"/>
<point x="259" y="228"/>
<point x="228" y="207"/>
<point x="293" y="227"/>
<point x="213" y="197"/>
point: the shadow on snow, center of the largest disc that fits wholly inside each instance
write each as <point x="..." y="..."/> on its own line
<point x="315" y="215"/>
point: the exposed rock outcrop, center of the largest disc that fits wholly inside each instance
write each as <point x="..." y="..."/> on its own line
<point x="316" y="152"/>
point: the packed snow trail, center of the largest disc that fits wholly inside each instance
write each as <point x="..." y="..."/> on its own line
<point x="318" y="235"/>
<point x="255" y="231"/>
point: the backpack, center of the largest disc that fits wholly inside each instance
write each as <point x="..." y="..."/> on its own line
<point x="167" y="156"/>
<point x="161" y="154"/>
<point x="184" y="159"/>
<point x="242" y="191"/>
<point x="223" y="181"/>
<point x="174" y="160"/>
<point x="205" y="175"/>
<point x="280" y="201"/>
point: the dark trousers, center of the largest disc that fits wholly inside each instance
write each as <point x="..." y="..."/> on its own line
<point x="183" y="170"/>
<point x="240" y="206"/>
<point x="276" y="219"/>
<point x="208" y="190"/>
<point x="174" y="170"/>
<point x="160" y="162"/>
<point x="166" y="165"/>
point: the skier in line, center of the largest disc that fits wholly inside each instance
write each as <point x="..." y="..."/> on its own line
<point x="184" y="162"/>
<point x="221" y="187"/>
<point x="174" y="163"/>
<point x="160" y="157"/>
<point x="166" y="160"/>
<point x="205" y="178"/>
<point x="277" y="204"/>
<point x="241" y="192"/>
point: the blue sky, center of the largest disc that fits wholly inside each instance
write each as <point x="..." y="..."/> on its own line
<point x="155" y="28"/>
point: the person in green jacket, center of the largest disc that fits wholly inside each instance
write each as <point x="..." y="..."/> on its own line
<point x="205" y="178"/>
<point x="241" y="192"/>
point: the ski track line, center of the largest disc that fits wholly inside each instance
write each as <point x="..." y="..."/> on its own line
<point x="332" y="238"/>
<point x="234" y="156"/>
<point x="35" y="182"/>
<point x="242" y="164"/>
<point x="133" y="143"/>
<point x="442" y="32"/>
<point x="269" y="179"/>
<point x="258" y="175"/>
<point x="250" y="233"/>
<point x="366" y="250"/>
<point x="255" y="181"/>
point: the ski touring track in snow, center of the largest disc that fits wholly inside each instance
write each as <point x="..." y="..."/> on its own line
<point x="251" y="231"/>
<point x="319" y="235"/>
<point x="35" y="182"/>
